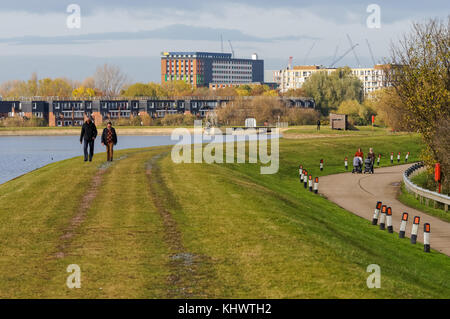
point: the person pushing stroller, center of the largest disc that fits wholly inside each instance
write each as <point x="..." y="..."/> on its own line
<point x="358" y="161"/>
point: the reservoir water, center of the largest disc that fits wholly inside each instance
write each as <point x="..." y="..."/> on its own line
<point x="22" y="154"/>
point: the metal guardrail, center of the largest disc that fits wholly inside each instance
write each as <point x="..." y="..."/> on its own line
<point x="422" y="192"/>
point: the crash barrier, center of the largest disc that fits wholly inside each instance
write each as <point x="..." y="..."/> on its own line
<point x="384" y="214"/>
<point x="423" y="194"/>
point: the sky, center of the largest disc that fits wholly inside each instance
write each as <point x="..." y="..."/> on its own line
<point x="35" y="37"/>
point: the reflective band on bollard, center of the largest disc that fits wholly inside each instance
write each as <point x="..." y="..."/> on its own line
<point x="390" y="228"/>
<point x="426" y="237"/>
<point x="414" y="230"/>
<point x="406" y="157"/>
<point x="376" y="213"/>
<point x="310" y="183"/>
<point x="346" y="164"/>
<point x="398" y="157"/>
<point x="401" y="234"/>
<point x="316" y="185"/>
<point x="321" y="164"/>
<point x="383" y="217"/>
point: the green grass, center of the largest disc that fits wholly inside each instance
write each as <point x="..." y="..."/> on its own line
<point x="245" y="235"/>
<point x="326" y="130"/>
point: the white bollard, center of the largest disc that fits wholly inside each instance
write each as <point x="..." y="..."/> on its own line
<point x="316" y="185"/>
<point x="376" y="213"/>
<point x="390" y="228"/>
<point x="426" y="237"/>
<point x="305" y="178"/>
<point x="401" y="234"/>
<point x="383" y="217"/>
<point x="414" y="230"/>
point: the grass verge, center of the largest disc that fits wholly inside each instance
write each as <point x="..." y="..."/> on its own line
<point x="206" y="230"/>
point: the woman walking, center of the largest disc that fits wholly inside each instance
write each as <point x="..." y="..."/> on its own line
<point x="109" y="139"/>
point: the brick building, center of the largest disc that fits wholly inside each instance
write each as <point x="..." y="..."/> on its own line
<point x="205" y="69"/>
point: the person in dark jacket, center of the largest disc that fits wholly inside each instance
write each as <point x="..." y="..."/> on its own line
<point x="88" y="135"/>
<point x="371" y="155"/>
<point x="109" y="139"/>
<point x="318" y="125"/>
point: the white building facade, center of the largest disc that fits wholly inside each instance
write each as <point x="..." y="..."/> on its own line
<point x="372" y="78"/>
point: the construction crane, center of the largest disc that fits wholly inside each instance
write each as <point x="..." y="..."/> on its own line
<point x="371" y="53"/>
<point x="307" y="53"/>
<point x="342" y="56"/>
<point x="335" y="52"/>
<point x="232" y="50"/>
<point x="354" y="52"/>
<point x="290" y="63"/>
<point x="221" y="42"/>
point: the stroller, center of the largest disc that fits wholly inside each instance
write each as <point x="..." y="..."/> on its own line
<point x="368" y="166"/>
<point x="357" y="165"/>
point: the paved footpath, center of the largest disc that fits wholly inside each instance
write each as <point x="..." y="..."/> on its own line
<point x="359" y="193"/>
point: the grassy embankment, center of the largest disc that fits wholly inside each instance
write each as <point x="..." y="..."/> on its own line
<point x="158" y="229"/>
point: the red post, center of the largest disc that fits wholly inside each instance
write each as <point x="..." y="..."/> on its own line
<point x="437" y="175"/>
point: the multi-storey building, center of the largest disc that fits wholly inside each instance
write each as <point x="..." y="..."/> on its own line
<point x="38" y="109"/>
<point x="294" y="78"/>
<point x="210" y="69"/>
<point x="74" y="112"/>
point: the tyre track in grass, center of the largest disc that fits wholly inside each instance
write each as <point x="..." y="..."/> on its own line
<point x="189" y="272"/>
<point x="89" y="196"/>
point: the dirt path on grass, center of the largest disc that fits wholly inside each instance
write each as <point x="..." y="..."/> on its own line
<point x="189" y="272"/>
<point x="85" y="203"/>
<point x="293" y="136"/>
<point x="358" y="193"/>
<point x="80" y="215"/>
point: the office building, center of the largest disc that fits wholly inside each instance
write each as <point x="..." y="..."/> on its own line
<point x="205" y="69"/>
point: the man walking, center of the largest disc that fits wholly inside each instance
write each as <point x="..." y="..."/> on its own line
<point x="88" y="134"/>
<point x="109" y="139"/>
<point x="318" y="125"/>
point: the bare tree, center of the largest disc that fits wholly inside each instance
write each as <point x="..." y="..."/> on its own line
<point x="110" y="80"/>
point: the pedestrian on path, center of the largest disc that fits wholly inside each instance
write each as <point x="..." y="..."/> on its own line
<point x="109" y="139"/>
<point x="371" y="155"/>
<point x="318" y="125"/>
<point x="88" y="135"/>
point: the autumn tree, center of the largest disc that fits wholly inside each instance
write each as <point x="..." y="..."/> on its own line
<point x="110" y="80"/>
<point x="419" y="73"/>
<point x="330" y="90"/>
<point x="139" y="90"/>
<point x="83" y="93"/>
